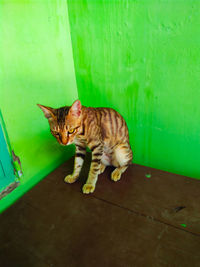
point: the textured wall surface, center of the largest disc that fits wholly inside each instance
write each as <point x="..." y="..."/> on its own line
<point x="143" y="59"/>
<point x="140" y="57"/>
<point x="36" y="67"/>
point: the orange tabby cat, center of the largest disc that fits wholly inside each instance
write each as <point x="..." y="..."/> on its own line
<point x="103" y="130"/>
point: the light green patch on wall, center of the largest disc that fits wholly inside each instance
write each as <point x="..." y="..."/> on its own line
<point x="36" y="67"/>
<point x="143" y="59"/>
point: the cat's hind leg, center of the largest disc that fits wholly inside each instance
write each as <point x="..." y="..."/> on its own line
<point x="116" y="174"/>
<point x="122" y="157"/>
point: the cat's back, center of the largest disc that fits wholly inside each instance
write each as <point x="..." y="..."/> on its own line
<point x="111" y="122"/>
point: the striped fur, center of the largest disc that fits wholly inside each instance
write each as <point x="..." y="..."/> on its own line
<point x="103" y="130"/>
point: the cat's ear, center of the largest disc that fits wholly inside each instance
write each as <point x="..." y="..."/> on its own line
<point x="48" y="112"/>
<point x="75" y="109"/>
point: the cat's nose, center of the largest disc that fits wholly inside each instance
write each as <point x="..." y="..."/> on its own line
<point x="64" y="143"/>
<point x="64" y="139"/>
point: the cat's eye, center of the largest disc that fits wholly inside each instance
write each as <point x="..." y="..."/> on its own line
<point x="70" y="131"/>
<point x="55" y="133"/>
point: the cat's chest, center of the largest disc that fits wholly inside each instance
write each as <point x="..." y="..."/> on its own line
<point x="80" y="140"/>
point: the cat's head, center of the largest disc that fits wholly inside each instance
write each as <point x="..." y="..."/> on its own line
<point x="65" y="123"/>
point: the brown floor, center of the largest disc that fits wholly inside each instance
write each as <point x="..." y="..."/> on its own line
<point x="138" y="221"/>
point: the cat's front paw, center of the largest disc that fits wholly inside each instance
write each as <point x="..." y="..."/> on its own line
<point x="70" y="179"/>
<point x="88" y="188"/>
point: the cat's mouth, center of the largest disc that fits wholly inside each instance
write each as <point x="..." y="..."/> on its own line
<point x="65" y="143"/>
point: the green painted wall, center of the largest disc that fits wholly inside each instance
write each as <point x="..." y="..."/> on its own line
<point x="139" y="57"/>
<point x="36" y="67"/>
<point x="143" y="59"/>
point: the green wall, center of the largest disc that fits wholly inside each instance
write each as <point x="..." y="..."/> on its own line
<point x="139" y="57"/>
<point x="36" y="67"/>
<point x="143" y="59"/>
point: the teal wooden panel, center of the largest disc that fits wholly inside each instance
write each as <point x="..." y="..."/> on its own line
<point x="6" y="168"/>
<point x="2" y="174"/>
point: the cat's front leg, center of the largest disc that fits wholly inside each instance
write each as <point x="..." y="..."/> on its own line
<point x="78" y="163"/>
<point x="97" y="151"/>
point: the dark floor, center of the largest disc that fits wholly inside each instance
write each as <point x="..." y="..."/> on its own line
<point x="149" y="218"/>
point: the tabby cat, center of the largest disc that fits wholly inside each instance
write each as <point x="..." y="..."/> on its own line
<point x="103" y="130"/>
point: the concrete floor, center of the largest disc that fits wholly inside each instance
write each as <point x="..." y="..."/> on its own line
<point x="149" y="218"/>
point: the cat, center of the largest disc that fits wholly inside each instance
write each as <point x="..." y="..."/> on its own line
<point x="103" y="130"/>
